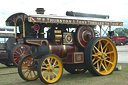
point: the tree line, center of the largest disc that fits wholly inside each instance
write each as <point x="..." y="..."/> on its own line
<point x="120" y="32"/>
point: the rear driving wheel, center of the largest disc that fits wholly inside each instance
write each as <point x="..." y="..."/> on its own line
<point x="50" y="68"/>
<point x="101" y="56"/>
<point x="27" y="70"/>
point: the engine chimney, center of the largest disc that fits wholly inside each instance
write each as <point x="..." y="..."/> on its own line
<point x="40" y="10"/>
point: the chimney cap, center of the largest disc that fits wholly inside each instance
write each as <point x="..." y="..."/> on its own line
<point x="40" y="10"/>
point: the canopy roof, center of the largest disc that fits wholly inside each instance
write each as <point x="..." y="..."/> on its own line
<point x="12" y="20"/>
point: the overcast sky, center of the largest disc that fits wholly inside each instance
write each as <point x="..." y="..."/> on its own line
<point x="117" y="9"/>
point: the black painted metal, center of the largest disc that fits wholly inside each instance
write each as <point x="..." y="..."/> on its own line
<point x="78" y="14"/>
<point x="39" y="51"/>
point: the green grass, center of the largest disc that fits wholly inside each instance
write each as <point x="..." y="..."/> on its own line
<point x="116" y="78"/>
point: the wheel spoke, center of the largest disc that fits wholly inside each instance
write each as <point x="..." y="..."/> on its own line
<point x="34" y="73"/>
<point x="46" y="75"/>
<point x="16" y="56"/>
<point x="49" y="76"/>
<point x="110" y="52"/>
<point x="55" y="66"/>
<point x="101" y="48"/>
<point x="105" y="45"/>
<point x="99" y="44"/>
<point x="56" y="69"/>
<point x="105" y="50"/>
<point x="109" y="61"/>
<point x="21" y="51"/>
<point x="30" y="73"/>
<point x="26" y="52"/>
<point x="98" y="66"/>
<point x="44" y="68"/>
<point x="104" y="67"/>
<point x="93" y="59"/>
<point x="25" y="71"/>
<point x="49" y="62"/>
<point x="17" y="59"/>
<point x="54" y="63"/>
<point x="29" y="61"/>
<point x="44" y="72"/>
<point x="95" y="55"/>
<point x="105" y="63"/>
<point x="54" y="73"/>
<point x="24" y="64"/>
<point x="45" y="64"/>
<point x="96" y="61"/>
<point x="17" y="52"/>
<point x="96" y="48"/>
<point x="106" y="57"/>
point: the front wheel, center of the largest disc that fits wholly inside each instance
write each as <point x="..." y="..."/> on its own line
<point x="50" y="68"/>
<point x="100" y="56"/>
<point x="26" y="69"/>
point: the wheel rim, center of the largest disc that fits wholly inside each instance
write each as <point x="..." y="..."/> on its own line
<point x="104" y="56"/>
<point x="19" y="52"/>
<point x="51" y="69"/>
<point x="29" y="74"/>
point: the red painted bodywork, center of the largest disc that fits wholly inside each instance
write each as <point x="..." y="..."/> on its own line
<point x="74" y="57"/>
<point x="119" y="38"/>
<point x="60" y="50"/>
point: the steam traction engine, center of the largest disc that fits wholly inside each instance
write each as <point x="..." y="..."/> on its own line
<point x="77" y="50"/>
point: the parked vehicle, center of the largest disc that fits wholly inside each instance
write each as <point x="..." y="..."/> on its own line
<point x="7" y="41"/>
<point x="119" y="40"/>
<point x="76" y="51"/>
<point x="11" y="51"/>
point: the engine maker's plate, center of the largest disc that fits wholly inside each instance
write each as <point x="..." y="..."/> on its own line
<point x="68" y="38"/>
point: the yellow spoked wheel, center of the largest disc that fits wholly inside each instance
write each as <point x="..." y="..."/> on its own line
<point x="50" y="68"/>
<point x="100" y="56"/>
<point x="27" y="69"/>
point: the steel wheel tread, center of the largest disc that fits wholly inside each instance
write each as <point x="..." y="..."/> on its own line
<point x="24" y="71"/>
<point x="50" y="68"/>
<point x="104" y="61"/>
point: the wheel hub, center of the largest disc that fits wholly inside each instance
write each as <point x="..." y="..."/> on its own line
<point x="50" y="69"/>
<point x="34" y="68"/>
<point x="103" y="56"/>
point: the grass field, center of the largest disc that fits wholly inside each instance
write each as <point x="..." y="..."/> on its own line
<point x="116" y="78"/>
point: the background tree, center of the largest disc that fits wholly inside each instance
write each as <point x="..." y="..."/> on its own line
<point x="120" y="32"/>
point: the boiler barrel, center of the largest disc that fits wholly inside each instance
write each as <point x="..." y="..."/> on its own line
<point x="61" y="50"/>
<point x="52" y="48"/>
<point x="78" y="14"/>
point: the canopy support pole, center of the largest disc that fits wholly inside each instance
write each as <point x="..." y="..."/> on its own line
<point x="23" y="29"/>
<point x="15" y="30"/>
<point x="100" y="30"/>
